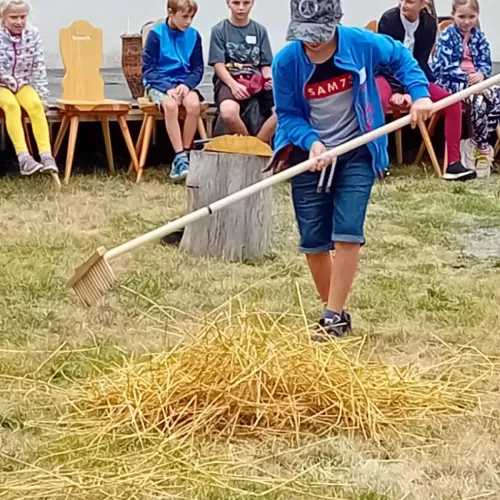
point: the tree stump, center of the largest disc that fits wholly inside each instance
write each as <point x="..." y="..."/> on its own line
<point x="238" y="232"/>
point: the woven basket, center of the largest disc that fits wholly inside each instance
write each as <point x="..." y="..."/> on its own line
<point x="132" y="63"/>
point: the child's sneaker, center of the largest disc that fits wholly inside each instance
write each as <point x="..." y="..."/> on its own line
<point x="457" y="172"/>
<point x="484" y="162"/>
<point x="28" y="165"/>
<point x="180" y="167"/>
<point x="329" y="328"/>
<point x="49" y="164"/>
<point x="468" y="153"/>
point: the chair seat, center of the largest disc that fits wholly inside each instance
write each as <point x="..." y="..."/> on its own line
<point x="105" y="106"/>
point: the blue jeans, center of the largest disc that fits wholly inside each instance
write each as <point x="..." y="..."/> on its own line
<point x="324" y="218"/>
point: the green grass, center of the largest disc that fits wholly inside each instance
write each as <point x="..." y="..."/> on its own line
<point x="418" y="294"/>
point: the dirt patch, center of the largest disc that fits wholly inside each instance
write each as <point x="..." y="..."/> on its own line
<point x="483" y="244"/>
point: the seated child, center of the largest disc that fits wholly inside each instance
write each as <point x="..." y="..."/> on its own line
<point x="24" y="85"/>
<point x="172" y="69"/>
<point x="241" y="55"/>
<point x="463" y="58"/>
<point x="413" y="25"/>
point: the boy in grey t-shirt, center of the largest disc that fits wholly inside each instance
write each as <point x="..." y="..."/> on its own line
<point x="241" y="55"/>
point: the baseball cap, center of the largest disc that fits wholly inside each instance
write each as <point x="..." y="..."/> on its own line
<point x="314" y="21"/>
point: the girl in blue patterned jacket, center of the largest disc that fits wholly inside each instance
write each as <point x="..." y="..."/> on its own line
<point x="463" y="58"/>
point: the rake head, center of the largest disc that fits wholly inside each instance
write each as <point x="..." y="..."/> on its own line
<point x="93" y="278"/>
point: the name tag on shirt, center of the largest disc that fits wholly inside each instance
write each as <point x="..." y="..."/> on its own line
<point x="362" y="76"/>
<point x="251" y="39"/>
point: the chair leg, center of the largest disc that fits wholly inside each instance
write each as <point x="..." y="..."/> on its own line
<point x="497" y="147"/>
<point x="27" y="135"/>
<point x="430" y="149"/>
<point x="60" y="135"/>
<point x="148" y="132"/>
<point x="107" y="142"/>
<point x="202" y="131"/>
<point x="445" y="159"/>
<point x="140" y="140"/>
<point x="399" y="146"/>
<point x="73" y="133"/>
<point x="432" y="128"/>
<point x="128" y="141"/>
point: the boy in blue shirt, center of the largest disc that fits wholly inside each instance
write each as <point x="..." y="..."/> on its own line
<point x="172" y="69"/>
<point x="326" y="95"/>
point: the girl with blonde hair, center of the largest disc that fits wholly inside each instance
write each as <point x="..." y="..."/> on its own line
<point x="24" y="85"/>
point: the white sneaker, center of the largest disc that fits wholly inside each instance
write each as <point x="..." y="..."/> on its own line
<point x="484" y="163"/>
<point x="468" y="153"/>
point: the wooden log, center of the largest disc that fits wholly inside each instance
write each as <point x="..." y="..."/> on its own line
<point x="236" y="233"/>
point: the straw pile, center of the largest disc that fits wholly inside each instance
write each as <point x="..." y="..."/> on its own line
<point x="247" y="375"/>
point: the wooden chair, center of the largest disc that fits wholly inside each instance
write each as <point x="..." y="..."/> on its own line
<point x="444" y="24"/>
<point x="151" y="114"/>
<point x="372" y="26"/>
<point x="497" y="147"/>
<point x="398" y="134"/>
<point x="83" y="93"/>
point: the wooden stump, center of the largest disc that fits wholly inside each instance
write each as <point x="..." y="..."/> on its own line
<point x="240" y="231"/>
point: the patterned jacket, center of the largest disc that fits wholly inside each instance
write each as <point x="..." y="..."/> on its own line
<point x="22" y="62"/>
<point x="450" y="54"/>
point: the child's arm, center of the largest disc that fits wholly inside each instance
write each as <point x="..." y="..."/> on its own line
<point x="401" y="63"/>
<point x="483" y="63"/>
<point x="445" y="68"/>
<point x="150" y="57"/>
<point x="266" y="59"/>
<point x="197" y="66"/>
<point x="39" y="77"/>
<point x="297" y="128"/>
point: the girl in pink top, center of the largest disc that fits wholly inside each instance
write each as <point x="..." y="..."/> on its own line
<point x="462" y="59"/>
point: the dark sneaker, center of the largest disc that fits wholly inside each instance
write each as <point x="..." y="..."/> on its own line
<point x="336" y="327"/>
<point x="173" y="239"/>
<point x="457" y="172"/>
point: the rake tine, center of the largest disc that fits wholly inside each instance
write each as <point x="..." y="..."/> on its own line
<point x="93" y="279"/>
<point x="332" y="173"/>
<point x="321" y="180"/>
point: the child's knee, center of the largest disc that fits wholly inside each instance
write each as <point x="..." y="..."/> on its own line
<point x="35" y="108"/>
<point x="192" y="104"/>
<point x="229" y="110"/>
<point x="11" y="107"/>
<point x="169" y="105"/>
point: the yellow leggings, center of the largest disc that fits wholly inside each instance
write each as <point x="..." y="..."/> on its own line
<point x="28" y="99"/>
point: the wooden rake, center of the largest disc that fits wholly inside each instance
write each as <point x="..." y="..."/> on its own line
<point x="95" y="277"/>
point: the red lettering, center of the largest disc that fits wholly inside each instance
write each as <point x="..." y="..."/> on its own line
<point x="330" y="87"/>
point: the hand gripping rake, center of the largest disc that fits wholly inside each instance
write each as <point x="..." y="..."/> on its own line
<point x="95" y="277"/>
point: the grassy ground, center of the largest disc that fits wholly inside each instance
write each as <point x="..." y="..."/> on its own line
<point x="418" y="295"/>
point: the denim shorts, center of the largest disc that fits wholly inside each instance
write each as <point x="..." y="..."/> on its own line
<point x="324" y="218"/>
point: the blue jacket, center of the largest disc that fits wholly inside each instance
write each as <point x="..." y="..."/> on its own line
<point x="172" y="57"/>
<point x="450" y="54"/>
<point x="360" y="52"/>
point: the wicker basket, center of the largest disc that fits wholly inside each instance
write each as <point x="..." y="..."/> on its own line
<point x="132" y="63"/>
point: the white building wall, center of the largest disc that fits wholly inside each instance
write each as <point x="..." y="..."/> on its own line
<point x="116" y="16"/>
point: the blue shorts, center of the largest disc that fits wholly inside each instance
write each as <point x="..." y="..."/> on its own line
<point x="324" y="218"/>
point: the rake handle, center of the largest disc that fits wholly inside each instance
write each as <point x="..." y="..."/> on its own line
<point x="291" y="172"/>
